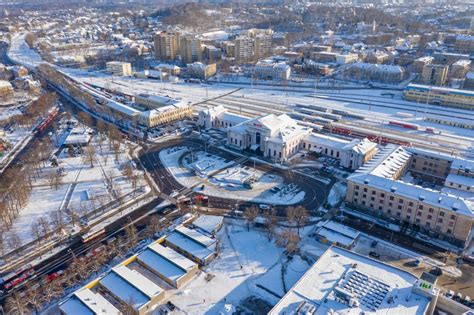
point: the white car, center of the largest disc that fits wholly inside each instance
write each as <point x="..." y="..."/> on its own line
<point x="264" y="206"/>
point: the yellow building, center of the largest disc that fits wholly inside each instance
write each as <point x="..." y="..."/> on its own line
<point x="6" y="88"/>
<point x="440" y="96"/>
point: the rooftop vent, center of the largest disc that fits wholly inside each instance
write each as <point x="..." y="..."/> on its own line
<point x="421" y="197"/>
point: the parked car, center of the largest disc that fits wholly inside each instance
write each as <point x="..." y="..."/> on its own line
<point x="374" y="255"/>
<point x="449" y="294"/>
<point x="264" y="206"/>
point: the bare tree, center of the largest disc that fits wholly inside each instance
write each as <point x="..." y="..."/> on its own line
<point x="289" y="240"/>
<point x="89" y="156"/>
<point x="270" y="223"/>
<point x="33" y="297"/>
<point x="131" y="234"/>
<point x="14" y="241"/>
<point x="44" y="226"/>
<point x="251" y="213"/>
<point x="300" y="217"/>
<point x="16" y="305"/>
<point x="153" y="226"/>
<point x="35" y="231"/>
<point x="116" y="149"/>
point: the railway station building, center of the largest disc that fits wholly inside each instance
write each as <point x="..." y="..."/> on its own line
<point x="392" y="186"/>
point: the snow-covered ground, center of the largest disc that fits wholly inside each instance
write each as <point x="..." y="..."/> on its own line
<point x="84" y="186"/>
<point x="266" y="188"/>
<point x="247" y="258"/>
<point x="337" y="194"/>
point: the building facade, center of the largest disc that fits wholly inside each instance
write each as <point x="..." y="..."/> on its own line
<point x="379" y="188"/>
<point x="268" y="69"/>
<point x="167" y="45"/>
<point x="190" y="49"/>
<point x="440" y="96"/>
<point x="119" y="68"/>
<point x="435" y="74"/>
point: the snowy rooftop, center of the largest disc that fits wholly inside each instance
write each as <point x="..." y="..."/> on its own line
<point x="196" y="236"/>
<point x="379" y="288"/>
<point x="5" y="84"/>
<point x="461" y="180"/>
<point x="328" y="141"/>
<point x="166" y="261"/>
<point x="431" y="88"/>
<point x="387" y="162"/>
<point x="127" y="110"/>
<point x="360" y="146"/>
<point x="87" y="302"/>
<point x="190" y="244"/>
<point x="130" y="285"/>
<point x="208" y="223"/>
<point x="463" y="164"/>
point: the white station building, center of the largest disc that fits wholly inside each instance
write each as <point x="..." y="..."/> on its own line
<point x="281" y="137"/>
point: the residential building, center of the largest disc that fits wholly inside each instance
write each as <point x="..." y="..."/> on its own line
<point x="448" y="58"/>
<point x="85" y="301"/>
<point x="190" y="49"/>
<point x="167" y="45"/>
<point x="229" y="49"/>
<point x="268" y="69"/>
<point x="324" y="56"/>
<point x="375" y="72"/>
<point x="212" y="54"/>
<point x="464" y="44"/>
<point x="421" y="62"/>
<point x="435" y="74"/>
<point x="460" y="68"/>
<point x="119" y="68"/>
<point x="243" y="49"/>
<point x="381" y="188"/>
<point x="169" y="69"/>
<point x="344" y="282"/>
<point x="377" y="57"/>
<point x="262" y="46"/>
<point x="201" y="71"/>
<point x="6" y="88"/>
<point x="469" y="81"/>
<point x="440" y="96"/>
<point x="346" y="58"/>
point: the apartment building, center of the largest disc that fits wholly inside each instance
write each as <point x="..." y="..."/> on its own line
<point x="464" y="44"/>
<point x="440" y="96"/>
<point x="435" y="74"/>
<point x="190" y="49"/>
<point x="375" y="72"/>
<point x="268" y="69"/>
<point x="383" y="187"/>
<point x="212" y="54"/>
<point x="201" y="71"/>
<point x="448" y="58"/>
<point x="469" y="81"/>
<point x="421" y="62"/>
<point x="119" y="68"/>
<point x="243" y="49"/>
<point x="460" y="68"/>
<point x="262" y="46"/>
<point x="167" y="45"/>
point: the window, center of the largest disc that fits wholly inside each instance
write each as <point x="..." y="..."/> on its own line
<point x="356" y="193"/>
<point x="356" y="187"/>
<point x="420" y="207"/>
<point x="382" y="195"/>
<point x="380" y="208"/>
<point x="441" y="214"/>
<point x="419" y="213"/>
<point x="440" y="220"/>
<point x="408" y="217"/>
<point x="408" y="210"/>
<point x="399" y="207"/>
<point x="390" y="204"/>
<point x="398" y="214"/>
<point x="417" y="220"/>
<point x="449" y="231"/>
<point x="430" y="217"/>
<point x="372" y="198"/>
<point x="453" y="217"/>
<point x="365" y="189"/>
<point x="431" y="210"/>
<point x="427" y="224"/>
<point x="410" y="204"/>
<point x="373" y="192"/>
<point x="364" y="196"/>
<point x="391" y="198"/>
<point x="451" y="223"/>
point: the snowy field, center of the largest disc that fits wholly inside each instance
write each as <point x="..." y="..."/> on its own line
<point x="82" y="188"/>
<point x="246" y="262"/>
<point x="266" y="188"/>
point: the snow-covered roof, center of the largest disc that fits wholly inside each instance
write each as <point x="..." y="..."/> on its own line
<point x="328" y="141"/>
<point x="166" y="261"/>
<point x="130" y="286"/>
<point x="344" y="273"/>
<point x="360" y="146"/>
<point x="441" y="89"/>
<point x="196" y="236"/>
<point x="386" y="163"/>
<point x="208" y="223"/>
<point x="337" y="233"/>
<point x="124" y="109"/>
<point x="5" y="84"/>
<point x="189" y="244"/>
<point x="461" y="180"/>
<point x="85" y="301"/>
<point x="463" y="164"/>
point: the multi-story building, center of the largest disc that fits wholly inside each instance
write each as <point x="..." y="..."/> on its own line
<point x="440" y="96"/>
<point x="460" y="68"/>
<point x="324" y="56"/>
<point x="262" y="46"/>
<point x="436" y="74"/>
<point x="212" y="54"/>
<point x="464" y="43"/>
<point x="448" y="58"/>
<point x="343" y="59"/>
<point x="167" y="45"/>
<point x="469" y="81"/>
<point x="375" y="72"/>
<point x="190" y="49"/>
<point x="6" y="88"/>
<point x="419" y="63"/>
<point x="119" y="68"/>
<point x="201" y="71"/>
<point x="377" y="57"/>
<point x="268" y="69"/>
<point x="229" y="49"/>
<point x="382" y="188"/>
<point x="243" y="49"/>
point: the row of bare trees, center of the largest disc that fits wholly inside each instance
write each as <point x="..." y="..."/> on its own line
<point x="38" y="295"/>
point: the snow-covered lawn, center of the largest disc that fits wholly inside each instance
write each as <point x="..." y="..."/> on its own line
<point x="266" y="188"/>
<point x="337" y="194"/>
<point x="246" y="259"/>
<point x="82" y="188"/>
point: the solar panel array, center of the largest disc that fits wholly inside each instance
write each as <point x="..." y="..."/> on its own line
<point x="368" y="291"/>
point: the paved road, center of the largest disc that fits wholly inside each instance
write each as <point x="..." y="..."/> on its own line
<point x="315" y="191"/>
